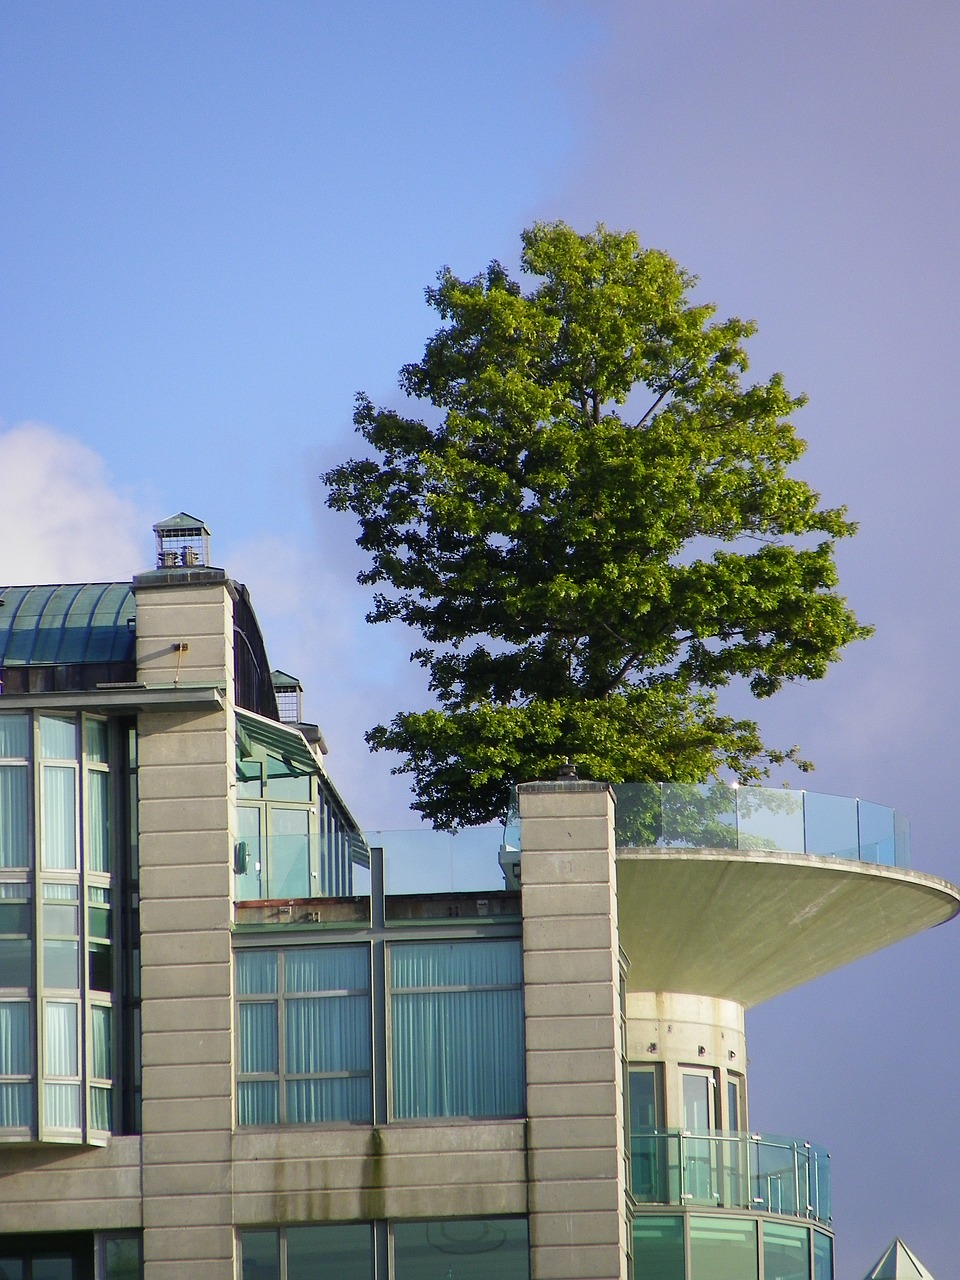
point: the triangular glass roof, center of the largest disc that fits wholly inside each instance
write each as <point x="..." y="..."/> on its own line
<point x="899" y="1263"/>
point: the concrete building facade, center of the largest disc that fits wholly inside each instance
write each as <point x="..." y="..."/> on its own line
<point x="226" y="1053"/>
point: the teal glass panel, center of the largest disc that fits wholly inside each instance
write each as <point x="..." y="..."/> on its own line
<point x="101" y="1109"/>
<point x="58" y="738"/>
<point x="258" y="1102"/>
<point x="61" y="919"/>
<point x="61" y="1106"/>
<point x="658" y="1248"/>
<point x="16" y="917"/>
<point x="901" y="827"/>
<point x="98" y="742"/>
<point x="723" y="1249"/>
<point x="287" y="786"/>
<point x="56" y="1268"/>
<point x="329" y="1099"/>
<point x="462" y="1249"/>
<point x="101" y="1021"/>
<point x="11" y="1269"/>
<point x="878" y="837"/>
<point x="822" y="1256"/>
<point x="699" y="816"/>
<point x="456" y="964"/>
<point x="122" y="1257"/>
<point x="98" y="922"/>
<point x="327" y="969"/>
<point x="14" y="815"/>
<point x="59" y="818"/>
<point x="61" y="1056"/>
<point x="16" y="963"/>
<point x="289" y="854"/>
<point x="99" y="968"/>
<point x="334" y="1251"/>
<point x="61" y="964"/>
<point x="256" y="972"/>
<point x="786" y="1252"/>
<point x="260" y="1255"/>
<point x="831" y="826"/>
<point x="259" y="1037"/>
<point x="250" y="883"/>
<point x="14" y="737"/>
<point x="98" y="821"/>
<point x="770" y="819"/>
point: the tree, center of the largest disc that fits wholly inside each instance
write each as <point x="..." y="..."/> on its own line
<point x="595" y="533"/>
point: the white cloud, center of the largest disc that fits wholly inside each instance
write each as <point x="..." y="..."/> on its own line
<point x="61" y="519"/>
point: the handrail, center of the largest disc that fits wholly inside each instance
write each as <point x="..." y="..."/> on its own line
<point x="761" y="1172"/>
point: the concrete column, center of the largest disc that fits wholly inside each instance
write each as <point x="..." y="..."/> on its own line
<point x="575" y="1103"/>
<point x="187" y="777"/>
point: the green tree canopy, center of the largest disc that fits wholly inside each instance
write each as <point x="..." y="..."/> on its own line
<point x="595" y="533"/>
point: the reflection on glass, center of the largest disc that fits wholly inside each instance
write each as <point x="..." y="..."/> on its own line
<point x="770" y="819"/>
<point x="786" y="1251"/>
<point x="59" y="817"/>
<point x="831" y="825"/>
<point x="122" y="1258"/>
<point x="14" y="816"/>
<point x="878" y="840"/>
<point x="260" y="1252"/>
<point x="723" y="1249"/>
<point x="822" y="1256"/>
<point x="704" y="815"/>
<point x="289" y="854"/>
<point x="341" y="1250"/>
<point x="462" y="1249"/>
<point x="658" y="1248"/>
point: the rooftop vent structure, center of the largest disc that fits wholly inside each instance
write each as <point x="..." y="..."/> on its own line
<point x="289" y="693"/>
<point x="183" y="542"/>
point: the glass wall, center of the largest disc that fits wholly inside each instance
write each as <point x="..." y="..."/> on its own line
<point x="462" y="1249"/>
<point x="304" y="1036"/>
<point x="720" y="1247"/>
<point x="717" y="816"/>
<point x="58" y="848"/>
<point x="456" y="1012"/>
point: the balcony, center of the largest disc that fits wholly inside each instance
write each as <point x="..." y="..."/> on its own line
<point x="749" y="819"/>
<point x="759" y="1172"/>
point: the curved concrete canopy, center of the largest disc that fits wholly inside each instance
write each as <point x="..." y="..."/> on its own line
<point x="748" y="926"/>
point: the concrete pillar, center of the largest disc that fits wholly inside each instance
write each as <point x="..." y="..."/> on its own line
<point x="574" y="1030"/>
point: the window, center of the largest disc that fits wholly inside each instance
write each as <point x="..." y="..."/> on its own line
<point x="658" y="1247"/>
<point x="723" y="1247"/>
<point x="786" y="1252"/>
<point x="304" y="1036"/>
<point x="456" y="1013"/>
<point x="462" y="1247"/>
<point x="333" y="1251"/>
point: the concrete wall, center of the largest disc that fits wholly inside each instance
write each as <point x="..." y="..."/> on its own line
<point x="575" y="1104"/>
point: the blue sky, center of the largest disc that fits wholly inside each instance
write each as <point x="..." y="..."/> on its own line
<point x="218" y="220"/>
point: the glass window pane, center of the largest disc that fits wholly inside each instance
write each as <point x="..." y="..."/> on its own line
<point x="122" y="1258"/>
<point x="822" y="1256"/>
<point x="250" y="883"/>
<point x="97" y="741"/>
<point x="11" y="1269"/>
<point x="340" y="1251"/>
<point x="61" y="965"/>
<point x="16" y="962"/>
<point x="101" y="1109"/>
<point x="260" y="1251"/>
<point x="329" y="1099"/>
<point x="644" y="1112"/>
<point x="464" y="1247"/>
<point x="100" y="1026"/>
<point x="61" y="1106"/>
<point x="259" y="1042"/>
<point x="59" y="817"/>
<point x="658" y="1248"/>
<point x="723" y="1249"/>
<point x="289" y="854"/>
<point x="256" y="972"/>
<point x="14" y="737"/>
<point x="58" y="1268"/>
<point x="58" y="738"/>
<point x="327" y="969"/>
<point x="258" y="1102"/>
<point x="327" y="1034"/>
<point x="877" y="833"/>
<point x="61" y="919"/>
<point x="60" y="1040"/>
<point x="15" y="1054"/>
<point x="786" y="1252"/>
<point x="16" y="1109"/>
<point x="98" y="821"/>
<point x="14" y="816"/>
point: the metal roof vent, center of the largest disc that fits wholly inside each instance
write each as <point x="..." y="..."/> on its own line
<point x="289" y="696"/>
<point x="183" y="542"/>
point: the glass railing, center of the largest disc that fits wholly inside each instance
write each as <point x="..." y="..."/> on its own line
<point x="426" y="861"/>
<point x="720" y="816"/>
<point x="762" y="1172"/>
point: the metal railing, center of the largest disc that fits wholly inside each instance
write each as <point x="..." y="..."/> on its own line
<point x="762" y="1172"/>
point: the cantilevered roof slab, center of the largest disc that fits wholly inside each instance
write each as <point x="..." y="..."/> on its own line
<point x="747" y="926"/>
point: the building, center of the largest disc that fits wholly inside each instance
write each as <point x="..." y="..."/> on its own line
<point x="227" y="1054"/>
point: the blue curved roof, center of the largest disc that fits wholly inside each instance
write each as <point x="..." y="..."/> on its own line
<point x="85" y="622"/>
